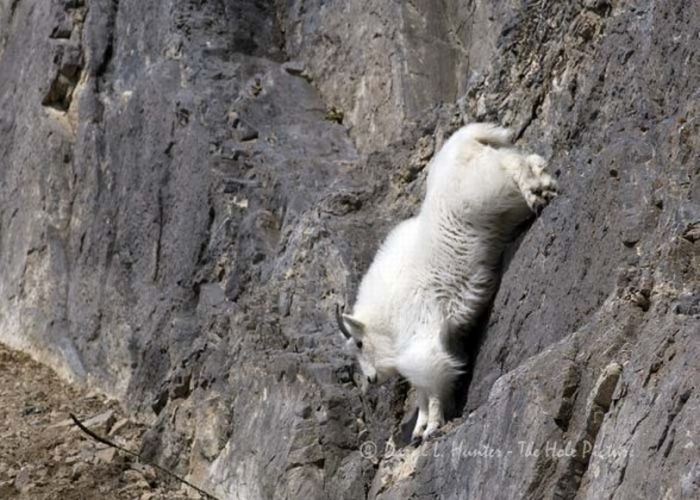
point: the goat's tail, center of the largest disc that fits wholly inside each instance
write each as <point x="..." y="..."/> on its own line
<point x="488" y="134"/>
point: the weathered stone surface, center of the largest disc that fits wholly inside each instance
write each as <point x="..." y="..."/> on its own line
<point x="188" y="188"/>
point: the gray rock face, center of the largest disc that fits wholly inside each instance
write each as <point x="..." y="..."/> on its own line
<point x="188" y="188"/>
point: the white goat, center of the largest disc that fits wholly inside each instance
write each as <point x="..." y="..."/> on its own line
<point x="438" y="270"/>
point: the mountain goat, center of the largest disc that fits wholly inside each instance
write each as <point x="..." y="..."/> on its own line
<point x="438" y="271"/>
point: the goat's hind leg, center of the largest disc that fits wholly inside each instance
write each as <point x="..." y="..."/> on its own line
<point x="537" y="186"/>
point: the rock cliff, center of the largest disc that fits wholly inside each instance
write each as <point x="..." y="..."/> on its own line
<point x="188" y="187"/>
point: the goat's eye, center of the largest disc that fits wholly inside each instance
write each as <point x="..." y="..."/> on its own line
<point x="359" y="344"/>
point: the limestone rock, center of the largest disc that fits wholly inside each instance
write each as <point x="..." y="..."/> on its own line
<point x="179" y="217"/>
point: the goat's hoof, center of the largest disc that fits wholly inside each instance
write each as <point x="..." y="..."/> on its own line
<point x="416" y="441"/>
<point x="538" y="187"/>
<point x="418" y="431"/>
<point x="433" y="435"/>
<point x="431" y="432"/>
<point x="540" y="190"/>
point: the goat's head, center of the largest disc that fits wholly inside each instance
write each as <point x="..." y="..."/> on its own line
<point x="362" y="345"/>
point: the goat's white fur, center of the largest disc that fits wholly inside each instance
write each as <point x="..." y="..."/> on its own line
<point x="438" y="270"/>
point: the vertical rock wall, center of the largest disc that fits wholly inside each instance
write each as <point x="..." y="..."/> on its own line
<point x="188" y="187"/>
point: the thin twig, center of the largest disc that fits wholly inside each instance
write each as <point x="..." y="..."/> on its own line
<point x="106" y="441"/>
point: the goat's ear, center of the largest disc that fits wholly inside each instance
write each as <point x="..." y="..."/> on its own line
<point x="356" y="326"/>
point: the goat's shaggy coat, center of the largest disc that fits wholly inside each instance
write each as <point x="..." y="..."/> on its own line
<point x="438" y="270"/>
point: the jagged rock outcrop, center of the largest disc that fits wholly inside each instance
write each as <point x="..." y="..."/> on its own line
<point x="189" y="187"/>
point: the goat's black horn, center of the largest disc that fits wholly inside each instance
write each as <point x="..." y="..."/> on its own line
<point x="341" y="322"/>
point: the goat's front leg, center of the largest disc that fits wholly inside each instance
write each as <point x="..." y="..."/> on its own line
<point x="436" y="418"/>
<point x="422" y="420"/>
